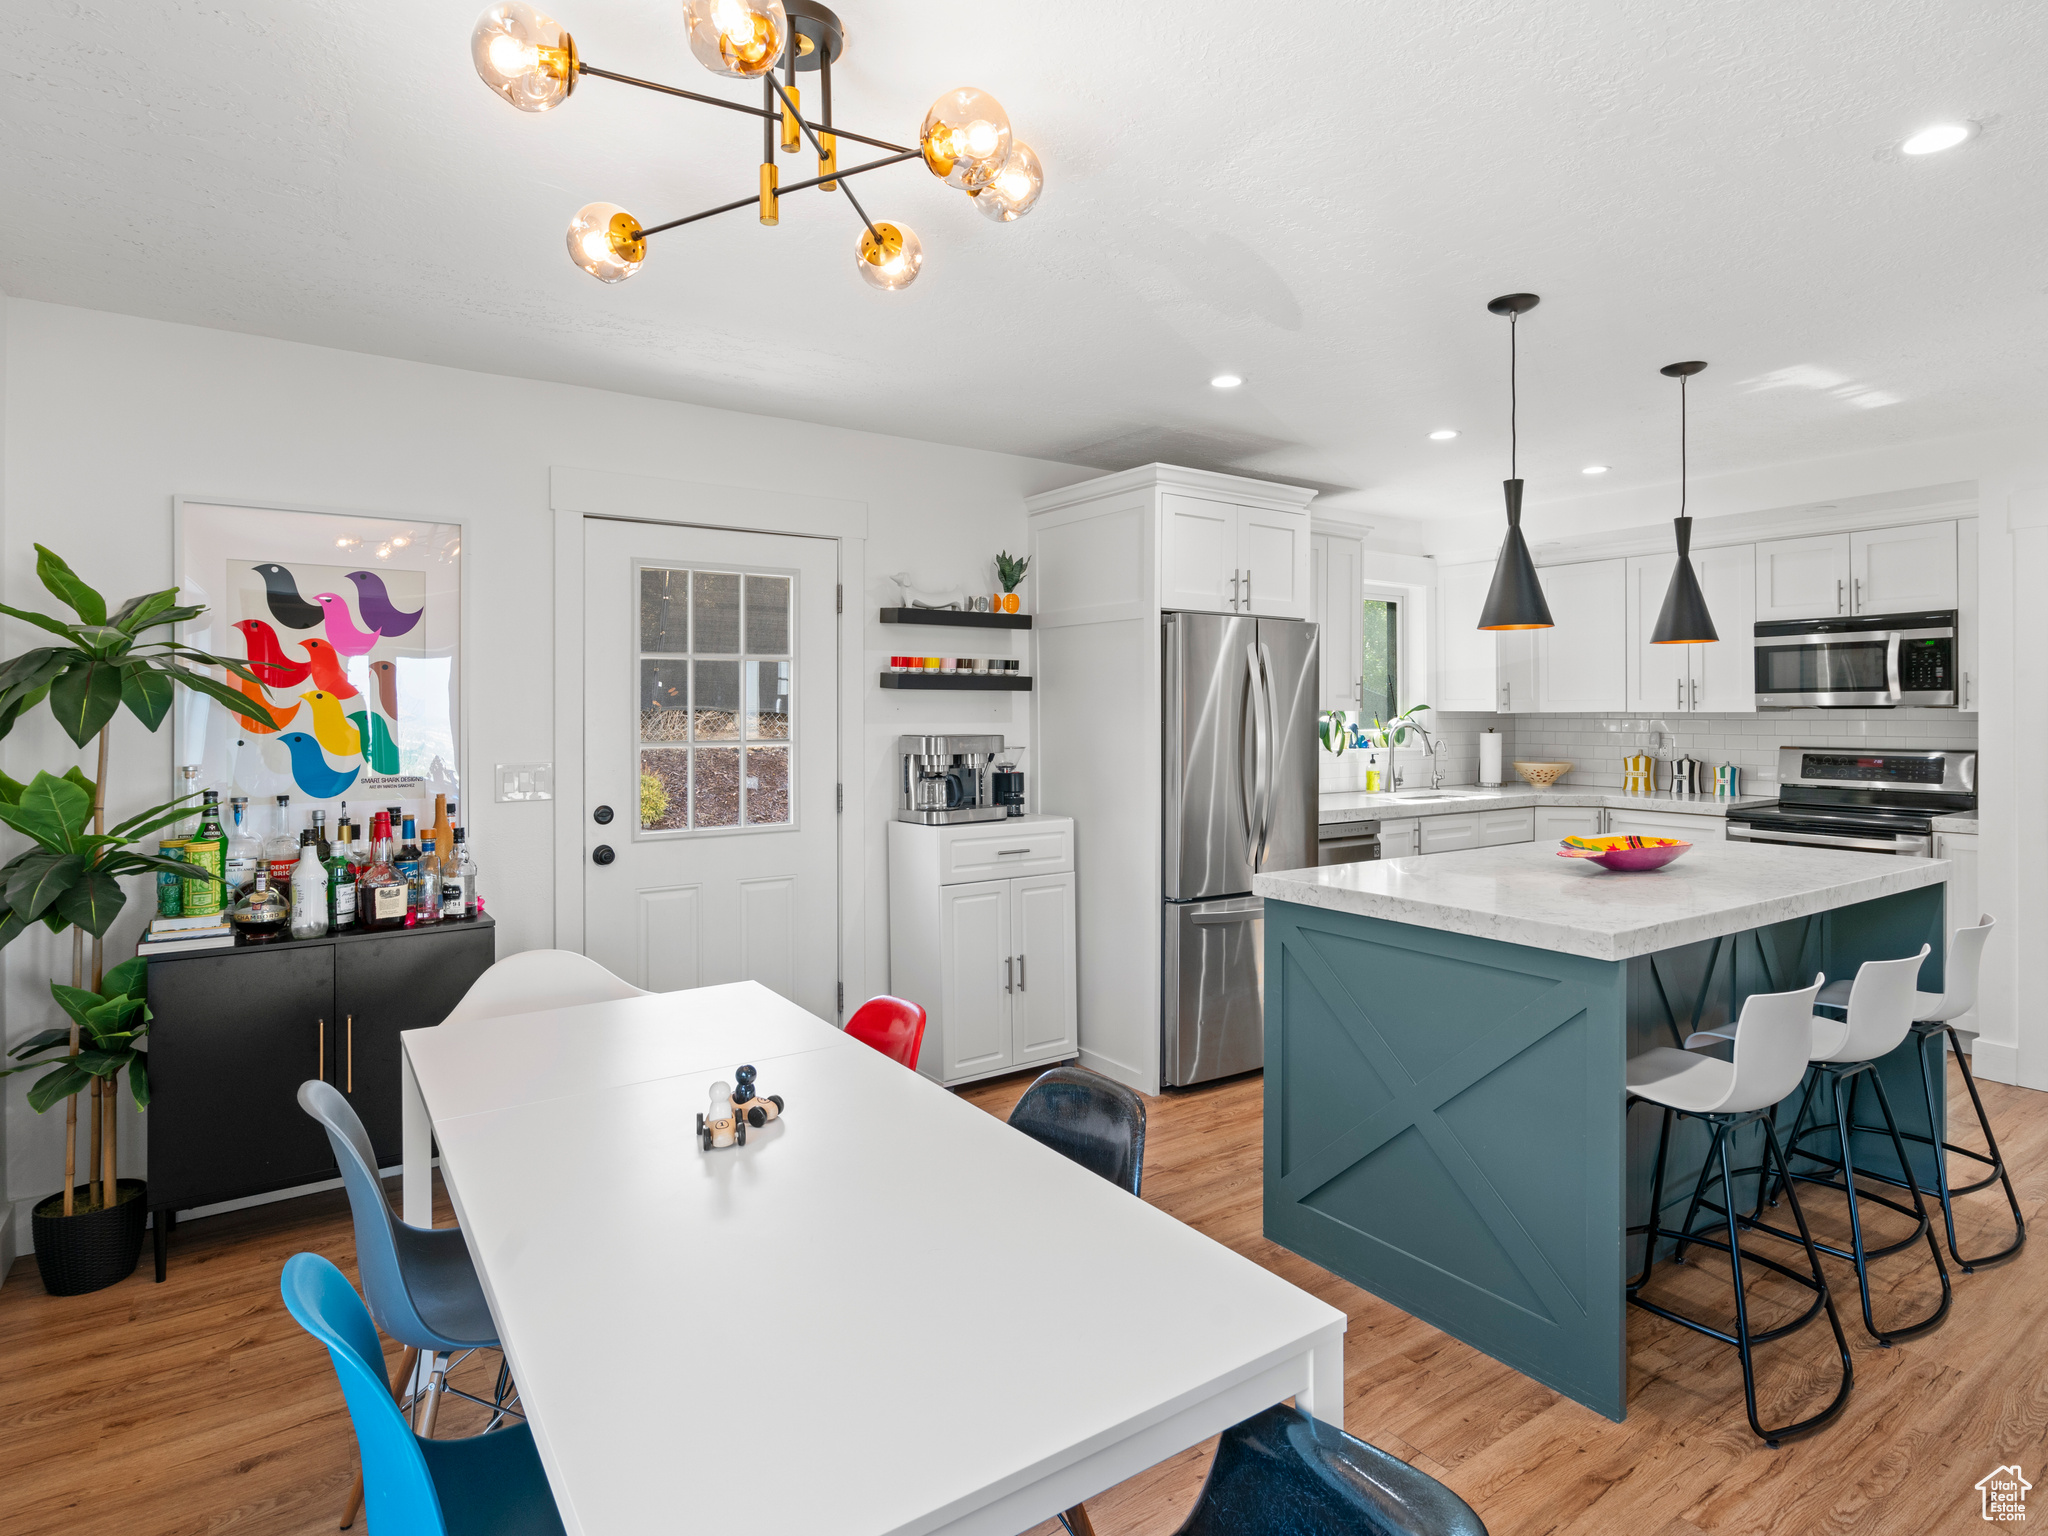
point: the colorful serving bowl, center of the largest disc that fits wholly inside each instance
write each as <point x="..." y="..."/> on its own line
<point x="1624" y="853"/>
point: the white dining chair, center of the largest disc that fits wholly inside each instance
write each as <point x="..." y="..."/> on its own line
<point x="538" y="979"/>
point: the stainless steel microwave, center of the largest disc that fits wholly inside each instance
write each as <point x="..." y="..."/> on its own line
<point x="1874" y="661"/>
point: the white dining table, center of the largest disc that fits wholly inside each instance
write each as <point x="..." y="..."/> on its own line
<point x="887" y="1313"/>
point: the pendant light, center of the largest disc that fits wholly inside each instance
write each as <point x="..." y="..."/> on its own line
<point x="1515" y="600"/>
<point x="1684" y="619"/>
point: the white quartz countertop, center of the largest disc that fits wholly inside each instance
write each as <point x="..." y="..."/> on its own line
<point x="1523" y="893"/>
<point x="1955" y="824"/>
<point x="1357" y="805"/>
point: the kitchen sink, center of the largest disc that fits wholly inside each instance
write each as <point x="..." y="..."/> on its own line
<point x="1432" y="794"/>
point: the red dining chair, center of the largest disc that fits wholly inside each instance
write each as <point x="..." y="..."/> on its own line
<point x="892" y="1025"/>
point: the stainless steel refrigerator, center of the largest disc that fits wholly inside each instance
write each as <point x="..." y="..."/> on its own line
<point x="1240" y="717"/>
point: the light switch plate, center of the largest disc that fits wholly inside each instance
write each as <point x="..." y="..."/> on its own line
<point x="526" y="781"/>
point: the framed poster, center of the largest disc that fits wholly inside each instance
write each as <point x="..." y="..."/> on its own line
<point x="354" y="625"/>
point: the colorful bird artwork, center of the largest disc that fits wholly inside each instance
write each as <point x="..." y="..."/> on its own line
<point x="387" y="686"/>
<point x="331" y="726"/>
<point x="375" y="605"/>
<point x="310" y="770"/>
<point x="342" y="633"/>
<point x="263" y="717"/>
<point x="267" y="658"/>
<point x="328" y="672"/>
<point x="383" y="751"/>
<point x="286" y="606"/>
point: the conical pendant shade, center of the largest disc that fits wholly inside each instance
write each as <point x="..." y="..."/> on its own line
<point x="1515" y="600"/>
<point x="1684" y="619"/>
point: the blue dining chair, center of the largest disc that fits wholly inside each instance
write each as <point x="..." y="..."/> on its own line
<point x="421" y="1284"/>
<point x="486" y="1485"/>
<point x="1282" y="1473"/>
<point x="1088" y="1119"/>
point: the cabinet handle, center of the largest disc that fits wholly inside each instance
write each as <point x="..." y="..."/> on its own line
<point x="1859" y="594"/>
<point x="1020" y="973"/>
<point x="350" y="1037"/>
<point x="1233" y="591"/>
<point x="1695" y="693"/>
<point x="1008" y="984"/>
<point x="1679" y="702"/>
<point x="1247" y="591"/>
<point x="1838" y="594"/>
<point x="1004" y="853"/>
<point x="1966" y="690"/>
<point x="320" y="1055"/>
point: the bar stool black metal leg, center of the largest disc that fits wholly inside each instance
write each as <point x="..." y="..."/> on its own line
<point x="1763" y="1186"/>
<point x="1774" y="1153"/>
<point x="1855" y="1216"/>
<point x="1948" y="1206"/>
<point x="1742" y="1341"/>
<point x="1699" y="1191"/>
<point x="1656" y="1204"/>
<point x="1997" y="1162"/>
<point x="1884" y="1104"/>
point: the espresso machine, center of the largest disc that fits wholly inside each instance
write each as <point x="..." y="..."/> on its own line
<point x="945" y="780"/>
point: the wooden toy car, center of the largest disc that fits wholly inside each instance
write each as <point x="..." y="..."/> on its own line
<point x="757" y="1112"/>
<point x="733" y="1109"/>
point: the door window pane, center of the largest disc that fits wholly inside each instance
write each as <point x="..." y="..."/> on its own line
<point x="664" y="789"/>
<point x="664" y="702"/>
<point x="665" y="611"/>
<point x="717" y="711"/>
<point x="768" y="700"/>
<point x="767" y="786"/>
<point x="1381" y="661"/>
<point x="717" y="600"/>
<point x="768" y="615"/>
<point x="716" y="802"/>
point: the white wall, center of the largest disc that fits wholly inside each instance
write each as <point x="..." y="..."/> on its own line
<point x="112" y="416"/>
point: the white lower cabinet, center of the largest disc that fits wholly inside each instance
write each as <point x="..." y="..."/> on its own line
<point x="1400" y="839"/>
<point x="1556" y="823"/>
<point x="1442" y="834"/>
<point x="1688" y="829"/>
<point x="1499" y="827"/>
<point x="991" y="961"/>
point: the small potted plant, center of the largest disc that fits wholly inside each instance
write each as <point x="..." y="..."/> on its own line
<point x="1010" y="570"/>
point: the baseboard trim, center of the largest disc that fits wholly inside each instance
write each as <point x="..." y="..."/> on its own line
<point x="1995" y="1061"/>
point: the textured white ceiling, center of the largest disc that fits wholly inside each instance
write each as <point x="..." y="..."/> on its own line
<point x="1319" y="196"/>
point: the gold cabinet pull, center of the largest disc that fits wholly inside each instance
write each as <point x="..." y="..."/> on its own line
<point x="320" y="1059"/>
<point x="351" y="1038"/>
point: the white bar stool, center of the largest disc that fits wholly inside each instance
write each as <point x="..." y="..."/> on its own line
<point x="1844" y="1052"/>
<point x="1771" y="1048"/>
<point x="1932" y="1013"/>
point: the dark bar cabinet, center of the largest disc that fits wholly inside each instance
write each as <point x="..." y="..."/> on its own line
<point x="235" y="1031"/>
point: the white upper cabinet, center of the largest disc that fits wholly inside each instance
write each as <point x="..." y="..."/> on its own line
<point x="1217" y="557"/>
<point x="1802" y="578"/>
<point x="1478" y="669"/>
<point x="1903" y="570"/>
<point x="1336" y="596"/>
<point x="1717" y="677"/>
<point x="1659" y="676"/>
<point x="1582" y="661"/>
<point x="1966" y="613"/>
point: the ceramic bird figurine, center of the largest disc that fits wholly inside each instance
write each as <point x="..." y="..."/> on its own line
<point x="310" y="770"/>
<point x="331" y="727"/>
<point x="267" y="658"/>
<point x="286" y="606"/>
<point x="263" y="717"/>
<point x="342" y="633"/>
<point x="387" y="686"/>
<point x="327" y="669"/>
<point x="382" y="751"/>
<point x="375" y="605"/>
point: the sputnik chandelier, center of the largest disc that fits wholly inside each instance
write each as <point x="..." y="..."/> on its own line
<point x="528" y="59"/>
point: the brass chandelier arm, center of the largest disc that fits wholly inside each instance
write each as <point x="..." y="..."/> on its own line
<point x="801" y="186"/>
<point x="822" y="156"/>
<point x="734" y="106"/>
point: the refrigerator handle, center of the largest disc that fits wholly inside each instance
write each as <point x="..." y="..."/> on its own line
<point x="1262" y="754"/>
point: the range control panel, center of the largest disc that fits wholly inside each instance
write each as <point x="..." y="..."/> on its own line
<point x="1880" y="768"/>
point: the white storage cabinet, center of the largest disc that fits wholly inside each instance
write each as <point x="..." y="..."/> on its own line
<point x="1582" y="660"/>
<point x="1337" y="603"/>
<point x="1690" y="829"/>
<point x="981" y="934"/>
<point x="1219" y="556"/>
<point x="1883" y="570"/>
<point x="1400" y="839"/>
<point x="1556" y="823"/>
<point x="1711" y="678"/>
<point x="1478" y="669"/>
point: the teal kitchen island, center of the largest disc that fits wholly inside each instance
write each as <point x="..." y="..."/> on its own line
<point x="1445" y="1112"/>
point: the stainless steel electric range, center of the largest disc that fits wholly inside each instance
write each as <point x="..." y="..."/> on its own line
<point x="1881" y="802"/>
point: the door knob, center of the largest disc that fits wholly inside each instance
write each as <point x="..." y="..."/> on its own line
<point x="602" y="854"/>
<point x="602" y="815"/>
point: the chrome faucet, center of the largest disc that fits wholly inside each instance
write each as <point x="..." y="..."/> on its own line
<point x="1436" y="772"/>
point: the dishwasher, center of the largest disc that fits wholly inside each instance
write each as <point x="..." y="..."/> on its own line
<point x="1347" y="842"/>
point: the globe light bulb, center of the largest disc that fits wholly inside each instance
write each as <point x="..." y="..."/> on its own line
<point x="524" y="56"/>
<point x="966" y="138"/>
<point x="1016" y="187"/>
<point x="605" y="241"/>
<point x="741" y="38"/>
<point x="891" y="262"/>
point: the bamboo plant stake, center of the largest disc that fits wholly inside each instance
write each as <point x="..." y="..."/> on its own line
<point x="105" y="1084"/>
<point x="71" y="1103"/>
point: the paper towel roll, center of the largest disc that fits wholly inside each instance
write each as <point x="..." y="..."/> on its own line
<point x="1489" y="758"/>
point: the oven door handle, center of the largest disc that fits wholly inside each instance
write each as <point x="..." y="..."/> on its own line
<point x="1905" y="845"/>
<point x="1891" y="664"/>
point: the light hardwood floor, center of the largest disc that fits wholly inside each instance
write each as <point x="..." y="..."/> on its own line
<point x="198" y="1406"/>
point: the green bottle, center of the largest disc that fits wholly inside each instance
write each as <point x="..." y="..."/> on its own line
<point x="341" y="879"/>
<point x="208" y="848"/>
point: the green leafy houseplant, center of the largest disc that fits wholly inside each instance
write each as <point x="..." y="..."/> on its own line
<point x="1010" y="569"/>
<point x="1333" y="730"/>
<point x="70" y="876"/>
<point x="1394" y="732"/>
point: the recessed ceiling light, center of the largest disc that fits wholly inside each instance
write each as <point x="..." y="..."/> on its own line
<point x="1594" y="469"/>
<point x="1933" y="140"/>
<point x="1443" y="434"/>
<point x="1225" y="381"/>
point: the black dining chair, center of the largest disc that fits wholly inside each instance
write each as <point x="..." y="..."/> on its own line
<point x="1088" y="1118"/>
<point x="1282" y="1473"/>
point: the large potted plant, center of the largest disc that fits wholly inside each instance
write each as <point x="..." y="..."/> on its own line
<point x="69" y="877"/>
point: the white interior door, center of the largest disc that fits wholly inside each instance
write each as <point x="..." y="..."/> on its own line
<point x="711" y="754"/>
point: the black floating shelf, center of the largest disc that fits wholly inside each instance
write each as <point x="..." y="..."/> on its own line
<point x="958" y="682"/>
<point x="956" y="618"/>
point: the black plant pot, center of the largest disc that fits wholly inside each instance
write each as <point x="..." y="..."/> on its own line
<point x="93" y="1250"/>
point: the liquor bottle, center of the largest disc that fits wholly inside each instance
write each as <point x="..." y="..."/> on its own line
<point x="458" y="880"/>
<point x="281" y="848"/>
<point x="262" y="913"/>
<point x="380" y="890"/>
<point x="321" y="845"/>
<point x="427" y="908"/>
<point x="407" y="862"/>
<point x="208" y="848"/>
<point x="245" y="851"/>
<point x="341" y="880"/>
<point x="309" y="891"/>
<point x="444" y="838"/>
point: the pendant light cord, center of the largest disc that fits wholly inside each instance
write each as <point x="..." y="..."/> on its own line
<point x="1682" y="471"/>
<point x="1514" y="400"/>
